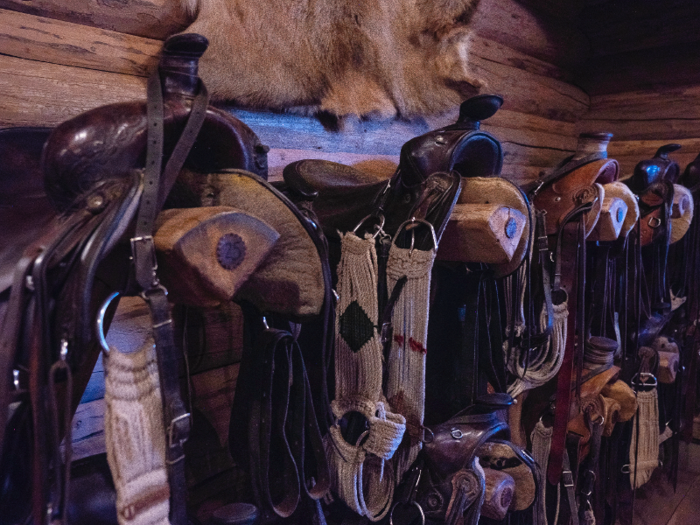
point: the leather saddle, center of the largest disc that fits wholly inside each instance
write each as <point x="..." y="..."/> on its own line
<point x="75" y="194"/>
<point x="426" y="184"/>
<point x="653" y="181"/>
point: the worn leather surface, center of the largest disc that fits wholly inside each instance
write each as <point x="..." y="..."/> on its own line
<point x="573" y="189"/>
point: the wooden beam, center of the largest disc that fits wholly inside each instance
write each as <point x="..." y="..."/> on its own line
<point x="682" y="102"/>
<point x="628" y="25"/>
<point x="58" y="42"/>
<point x="669" y="130"/>
<point x="41" y="94"/>
<point x="148" y="18"/>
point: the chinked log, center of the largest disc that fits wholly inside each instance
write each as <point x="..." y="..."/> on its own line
<point x="65" y="43"/>
<point x="529" y="31"/>
<point x="629" y="152"/>
<point x="149" y="18"/>
<point x="41" y="94"/>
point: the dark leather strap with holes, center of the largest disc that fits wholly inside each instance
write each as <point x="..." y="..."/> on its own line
<point x="176" y="419"/>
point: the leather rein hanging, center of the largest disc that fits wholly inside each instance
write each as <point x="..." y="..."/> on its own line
<point x="157" y="184"/>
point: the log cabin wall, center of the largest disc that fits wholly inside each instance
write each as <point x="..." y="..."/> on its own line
<point x="59" y="59"/>
<point x="643" y="77"/>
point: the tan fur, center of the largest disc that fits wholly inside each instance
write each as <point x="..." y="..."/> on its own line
<point x="347" y="57"/>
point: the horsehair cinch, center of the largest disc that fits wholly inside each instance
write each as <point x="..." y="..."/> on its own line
<point x="405" y="387"/>
<point x="133" y="436"/>
<point x="360" y="473"/>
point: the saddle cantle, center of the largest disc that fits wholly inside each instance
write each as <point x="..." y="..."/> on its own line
<point x="653" y="181"/>
<point x="574" y="181"/>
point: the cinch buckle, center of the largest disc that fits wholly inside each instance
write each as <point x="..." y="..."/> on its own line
<point x="178" y="434"/>
<point x="567" y="479"/>
<point x="148" y="249"/>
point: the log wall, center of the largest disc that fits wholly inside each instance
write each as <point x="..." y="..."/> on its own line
<point x="58" y="59"/>
<point x="643" y="77"/>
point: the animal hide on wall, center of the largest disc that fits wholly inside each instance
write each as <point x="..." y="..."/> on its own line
<point x="346" y="57"/>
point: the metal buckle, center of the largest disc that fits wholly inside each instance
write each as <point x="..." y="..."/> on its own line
<point x="183" y="432"/>
<point x="655" y="220"/>
<point x="150" y="247"/>
<point x="567" y="479"/>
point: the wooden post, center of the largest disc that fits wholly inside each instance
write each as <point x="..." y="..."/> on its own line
<point x="500" y="490"/>
<point x="609" y="224"/>
<point x="487" y="233"/>
<point x="206" y="254"/>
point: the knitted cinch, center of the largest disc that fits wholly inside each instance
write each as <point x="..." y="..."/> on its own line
<point x="541" y="438"/>
<point x="360" y="473"/>
<point x="134" y="436"/>
<point x="644" y="458"/>
<point x="405" y="388"/>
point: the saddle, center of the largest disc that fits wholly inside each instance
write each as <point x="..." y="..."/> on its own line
<point x="103" y="183"/>
<point x="431" y="169"/>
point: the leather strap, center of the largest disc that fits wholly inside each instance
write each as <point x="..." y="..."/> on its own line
<point x="157" y="184"/>
<point x="567" y="481"/>
<point x="282" y="420"/>
<point x="573" y="231"/>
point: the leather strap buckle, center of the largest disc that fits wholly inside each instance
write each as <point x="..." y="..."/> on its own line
<point x="143" y="249"/>
<point x="179" y="431"/>
<point x="567" y="479"/>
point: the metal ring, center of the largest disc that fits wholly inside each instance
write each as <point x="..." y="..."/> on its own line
<point x="379" y="216"/>
<point x="100" y="322"/>
<point x="361" y="437"/>
<point x="420" y="509"/>
<point x="423" y="440"/>
<point x="413" y="220"/>
<point x="655" y="219"/>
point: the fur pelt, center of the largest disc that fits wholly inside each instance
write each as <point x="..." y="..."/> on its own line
<point x="346" y="57"/>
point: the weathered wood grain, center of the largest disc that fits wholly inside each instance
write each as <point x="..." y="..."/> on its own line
<point x="149" y="18"/>
<point x="88" y="429"/>
<point x="627" y="25"/>
<point x="653" y="129"/>
<point x="40" y="94"/>
<point x="59" y="42"/>
<point x="680" y="102"/>
<point x="655" y="69"/>
<point x="527" y="92"/>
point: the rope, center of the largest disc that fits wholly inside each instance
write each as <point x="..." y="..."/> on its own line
<point x="546" y="363"/>
<point x="134" y="436"/>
